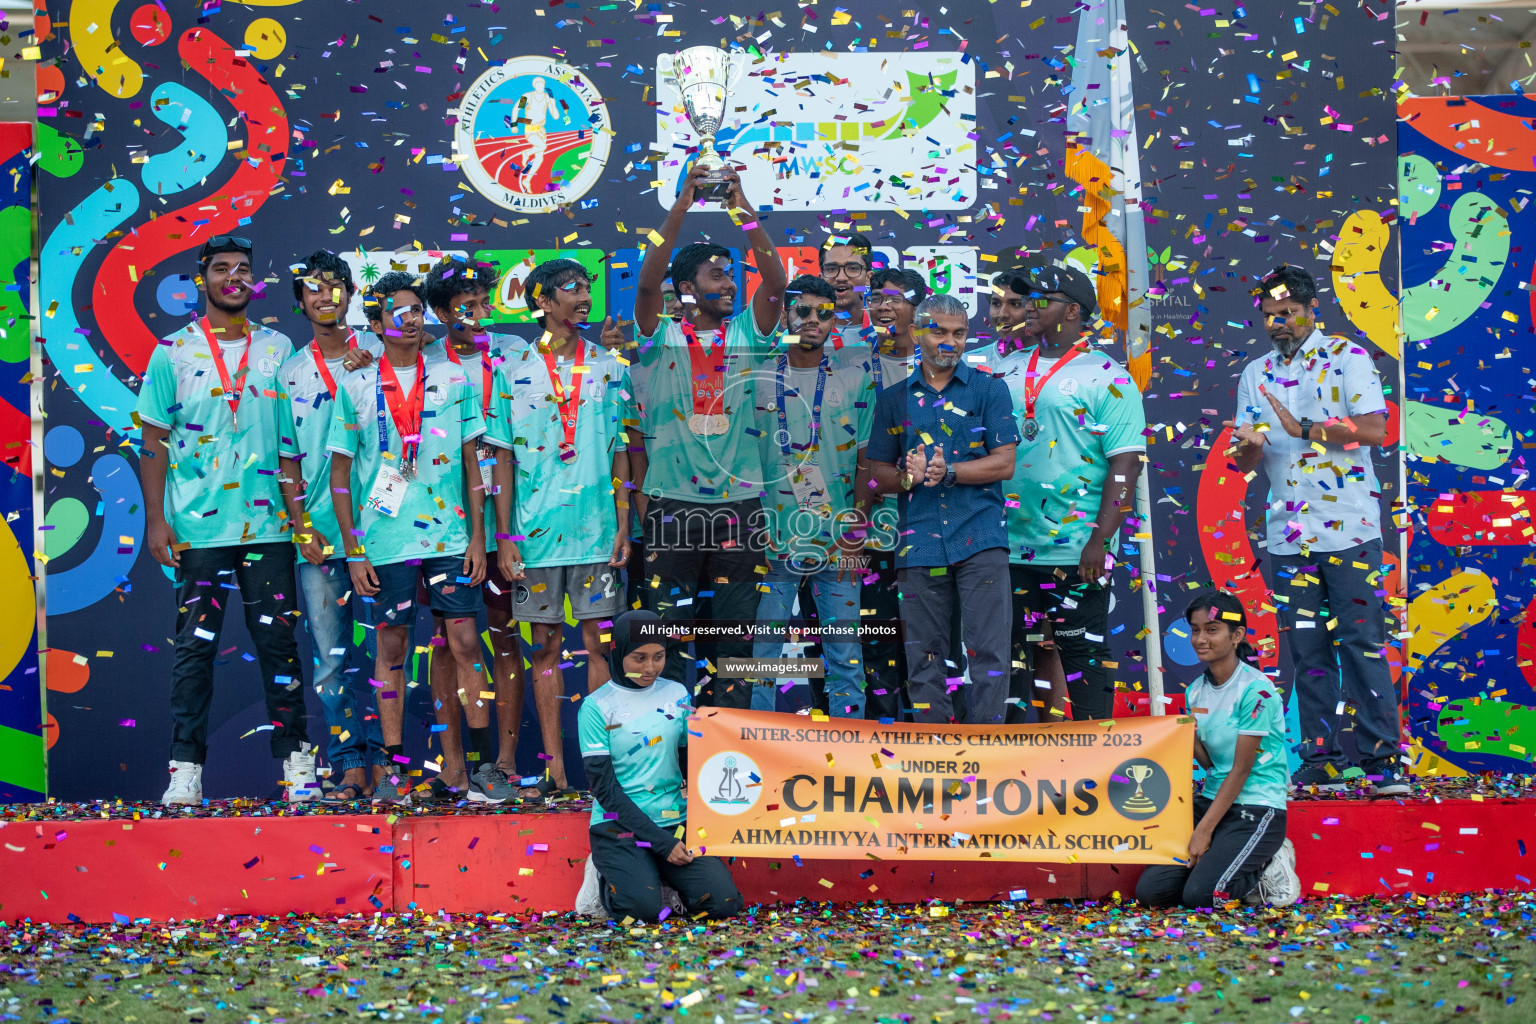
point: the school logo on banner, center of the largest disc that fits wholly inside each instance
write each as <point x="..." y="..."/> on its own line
<point x="533" y="134"/>
<point x="729" y="783"/>
<point x="1139" y="788"/>
<point x="863" y="131"/>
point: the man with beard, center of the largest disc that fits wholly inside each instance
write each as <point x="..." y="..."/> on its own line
<point x="699" y="497"/>
<point x="214" y="513"/>
<point x="944" y="440"/>
<point x="1310" y="412"/>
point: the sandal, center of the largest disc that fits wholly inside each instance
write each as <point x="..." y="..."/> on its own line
<point x="346" y="793"/>
<point x="548" y="790"/>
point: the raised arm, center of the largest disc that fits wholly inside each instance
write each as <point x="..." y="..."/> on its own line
<point x="768" y="300"/>
<point x="649" y="304"/>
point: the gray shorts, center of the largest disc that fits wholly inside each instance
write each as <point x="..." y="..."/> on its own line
<point x="596" y="591"/>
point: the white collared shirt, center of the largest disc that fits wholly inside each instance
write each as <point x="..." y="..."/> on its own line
<point x="1326" y="500"/>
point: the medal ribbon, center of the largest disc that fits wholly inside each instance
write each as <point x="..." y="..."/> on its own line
<point x="778" y="394"/>
<point x="1033" y="385"/>
<point x="231" y="393"/>
<point x="325" y="371"/>
<point x="567" y="400"/>
<point x="708" y="365"/>
<point x="405" y="412"/>
<point x="487" y="383"/>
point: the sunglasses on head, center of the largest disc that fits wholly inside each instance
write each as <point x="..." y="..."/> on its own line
<point x="822" y="313"/>
<point x="224" y="242"/>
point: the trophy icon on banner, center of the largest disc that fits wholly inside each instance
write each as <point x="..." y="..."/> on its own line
<point x="1138" y="803"/>
<point x="704" y="78"/>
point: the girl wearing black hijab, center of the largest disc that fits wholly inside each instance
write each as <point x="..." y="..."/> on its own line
<point x="634" y="736"/>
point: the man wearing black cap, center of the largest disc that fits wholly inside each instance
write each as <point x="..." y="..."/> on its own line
<point x="1081" y="442"/>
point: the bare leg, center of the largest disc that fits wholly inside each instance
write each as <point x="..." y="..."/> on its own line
<point x="389" y="673"/>
<point x="507" y="677"/>
<point x="597" y="652"/>
<point x="469" y="683"/>
<point x="548" y="686"/>
<point x="445" y="704"/>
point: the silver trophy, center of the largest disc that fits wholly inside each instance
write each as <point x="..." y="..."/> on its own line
<point x="704" y="78"/>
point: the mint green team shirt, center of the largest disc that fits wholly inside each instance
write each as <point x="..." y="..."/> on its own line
<point x="470" y="370"/>
<point x="1087" y="411"/>
<point x="885" y="514"/>
<point x="847" y="410"/>
<point x="433" y="519"/>
<point x="641" y="730"/>
<point x="563" y="511"/>
<point x="707" y="470"/>
<point x="1248" y="704"/>
<point x="304" y="421"/>
<point x="221" y="483"/>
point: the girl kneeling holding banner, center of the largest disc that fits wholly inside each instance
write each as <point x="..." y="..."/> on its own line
<point x="1238" y="850"/>
<point x="634" y="736"/>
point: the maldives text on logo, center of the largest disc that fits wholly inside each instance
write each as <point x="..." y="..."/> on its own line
<point x="850" y="131"/>
<point x="533" y="134"/>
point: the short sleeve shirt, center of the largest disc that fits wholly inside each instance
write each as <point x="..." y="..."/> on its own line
<point x="432" y="520"/>
<point x="641" y="731"/>
<point x="795" y="528"/>
<point x="685" y="465"/>
<point x="1248" y="704"/>
<point x="1325" y="499"/>
<point x="884" y="371"/>
<point x="221" y="485"/>
<point x="972" y="416"/>
<point x="563" y="510"/>
<point x="1088" y="410"/>
<point x="476" y="370"/>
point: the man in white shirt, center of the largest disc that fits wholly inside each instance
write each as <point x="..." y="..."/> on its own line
<point x="1310" y="412"/>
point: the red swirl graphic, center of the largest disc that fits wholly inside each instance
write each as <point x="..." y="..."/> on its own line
<point x="1219" y="506"/>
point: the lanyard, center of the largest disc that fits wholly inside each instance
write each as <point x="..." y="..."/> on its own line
<point x="231" y="393"/>
<point x="567" y="400"/>
<point x="453" y="354"/>
<point x="325" y="371"/>
<point x="783" y="437"/>
<point x="487" y="383"/>
<point x="708" y="365"/>
<point x="406" y="412"/>
<point x="1033" y="385"/>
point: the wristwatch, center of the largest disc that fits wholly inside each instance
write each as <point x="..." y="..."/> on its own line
<point x="949" y="477"/>
<point x="1306" y="430"/>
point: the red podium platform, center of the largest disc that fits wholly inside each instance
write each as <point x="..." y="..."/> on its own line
<point x="514" y="862"/>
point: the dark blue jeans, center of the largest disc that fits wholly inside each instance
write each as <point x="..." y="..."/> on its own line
<point x="206" y="585"/>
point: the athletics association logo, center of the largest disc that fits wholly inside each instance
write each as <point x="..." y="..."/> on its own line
<point x="730" y="783"/>
<point x="533" y="134"/>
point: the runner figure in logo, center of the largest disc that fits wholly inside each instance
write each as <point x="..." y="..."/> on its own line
<point x="533" y="134"/>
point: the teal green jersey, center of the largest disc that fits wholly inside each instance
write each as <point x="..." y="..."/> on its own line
<point x="477" y="370"/>
<point x="304" y="421"/>
<point x="809" y="480"/>
<point x="431" y="518"/>
<point x="1247" y="704"/>
<point x="699" y="411"/>
<point x="563" y="510"/>
<point x="641" y="730"/>
<point x="221" y="484"/>
<point x="1086" y="411"/>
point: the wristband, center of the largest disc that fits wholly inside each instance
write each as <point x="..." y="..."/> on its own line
<point x="949" y="477"/>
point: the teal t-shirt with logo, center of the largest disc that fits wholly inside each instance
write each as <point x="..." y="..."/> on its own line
<point x="563" y="510"/>
<point x="221" y="485"/>
<point x="707" y="469"/>
<point x="471" y="369"/>
<point x="800" y="525"/>
<point x="1247" y="704"/>
<point x="641" y="730"/>
<point x="432" y="520"/>
<point x="1088" y="410"/>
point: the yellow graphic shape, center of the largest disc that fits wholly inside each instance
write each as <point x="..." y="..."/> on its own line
<point x="1369" y="304"/>
<point x="18" y="604"/>
<point x="1446" y="610"/>
<point x="266" y="38"/>
<point x="99" y="51"/>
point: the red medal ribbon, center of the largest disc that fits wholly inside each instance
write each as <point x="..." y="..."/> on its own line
<point x="405" y="412"/>
<point x="231" y="393"/>
<point x="325" y="371"/>
<point x="708" y="365"/>
<point x="567" y="400"/>
<point x="1033" y="386"/>
<point x="487" y="383"/>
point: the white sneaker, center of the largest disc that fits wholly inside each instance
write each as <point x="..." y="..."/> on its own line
<point x="186" y="786"/>
<point x="589" y="900"/>
<point x="1279" y="885"/>
<point x="299" y="775"/>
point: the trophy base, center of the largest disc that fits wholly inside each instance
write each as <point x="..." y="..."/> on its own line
<point x="713" y="187"/>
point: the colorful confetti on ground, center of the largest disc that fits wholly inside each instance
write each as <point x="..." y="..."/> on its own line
<point x="1403" y="961"/>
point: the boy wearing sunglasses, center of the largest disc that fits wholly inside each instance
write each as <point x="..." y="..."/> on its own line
<point x="813" y="419"/>
<point x="214" y="512"/>
<point x="1080" y="424"/>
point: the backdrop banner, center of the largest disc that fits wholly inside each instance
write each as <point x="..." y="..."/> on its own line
<point x="833" y="789"/>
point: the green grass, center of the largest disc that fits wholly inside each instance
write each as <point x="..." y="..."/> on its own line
<point x="1401" y="961"/>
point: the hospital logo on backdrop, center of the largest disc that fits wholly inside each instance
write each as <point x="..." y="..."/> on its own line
<point x="533" y="134"/>
<point x="850" y="131"/>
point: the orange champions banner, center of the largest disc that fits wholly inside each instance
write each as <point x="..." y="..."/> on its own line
<point x="1114" y="792"/>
